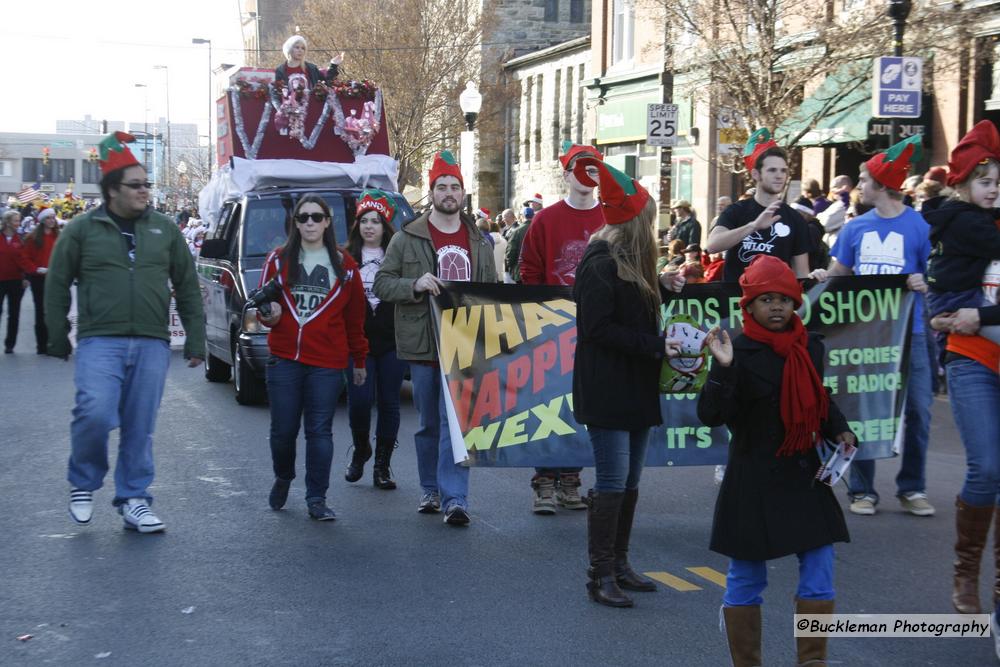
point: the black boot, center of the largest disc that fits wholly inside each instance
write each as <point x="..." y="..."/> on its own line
<point x="381" y="475"/>
<point x="602" y="524"/>
<point x="362" y="452"/>
<point x="628" y="578"/>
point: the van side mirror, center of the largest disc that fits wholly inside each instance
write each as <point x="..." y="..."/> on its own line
<point x="215" y="249"/>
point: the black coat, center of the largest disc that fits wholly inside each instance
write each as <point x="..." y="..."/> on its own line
<point x="312" y="73"/>
<point x="619" y="348"/>
<point x="768" y="506"/>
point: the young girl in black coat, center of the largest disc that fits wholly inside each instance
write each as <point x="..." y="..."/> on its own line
<point x="766" y="386"/>
<point x="616" y="369"/>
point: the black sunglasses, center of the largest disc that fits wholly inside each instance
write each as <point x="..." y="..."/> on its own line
<point x="303" y="218"/>
<point x="139" y="186"/>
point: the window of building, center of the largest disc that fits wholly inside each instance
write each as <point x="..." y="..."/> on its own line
<point x="63" y="171"/>
<point x="539" y="89"/>
<point x="6" y="168"/>
<point x="623" y="31"/>
<point x="556" y="132"/>
<point x="576" y="11"/>
<point x="528" y="108"/>
<point x="566" y="133"/>
<point x="579" y="104"/>
<point x="91" y="172"/>
<point x="551" y="10"/>
<point x="56" y="171"/>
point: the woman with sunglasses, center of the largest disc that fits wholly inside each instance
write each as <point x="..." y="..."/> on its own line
<point x="366" y="243"/>
<point x="317" y="329"/>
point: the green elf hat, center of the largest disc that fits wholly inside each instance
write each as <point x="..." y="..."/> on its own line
<point x="890" y="168"/>
<point x="570" y="151"/>
<point x="445" y="164"/>
<point x="373" y="199"/>
<point x="622" y="197"/>
<point x="114" y="154"/>
<point x="758" y="142"/>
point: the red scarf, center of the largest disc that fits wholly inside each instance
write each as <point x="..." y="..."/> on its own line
<point x="804" y="402"/>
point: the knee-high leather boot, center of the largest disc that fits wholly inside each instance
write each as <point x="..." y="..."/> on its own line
<point x="381" y="476"/>
<point x="362" y="452"/>
<point x="812" y="650"/>
<point x="972" y="525"/>
<point x="602" y="523"/>
<point x="743" y="633"/>
<point x="626" y="577"/>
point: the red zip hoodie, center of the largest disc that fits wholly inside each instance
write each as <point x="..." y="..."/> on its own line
<point x="35" y="257"/>
<point x="12" y="263"/>
<point x="334" y="333"/>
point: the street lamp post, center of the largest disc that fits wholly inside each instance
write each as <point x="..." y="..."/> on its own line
<point x="166" y="74"/>
<point x="211" y="104"/>
<point x="470" y="101"/>
<point x="145" y="126"/>
<point x="899" y="10"/>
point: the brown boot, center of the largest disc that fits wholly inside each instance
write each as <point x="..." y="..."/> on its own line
<point x="972" y="525"/>
<point x="602" y="524"/>
<point x="743" y="632"/>
<point x="812" y="650"/>
<point x="628" y="578"/>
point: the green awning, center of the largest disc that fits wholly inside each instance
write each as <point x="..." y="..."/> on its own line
<point x="848" y="104"/>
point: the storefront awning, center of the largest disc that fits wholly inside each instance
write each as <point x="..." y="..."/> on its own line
<point x="846" y="94"/>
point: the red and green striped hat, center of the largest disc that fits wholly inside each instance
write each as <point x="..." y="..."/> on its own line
<point x="622" y="197"/>
<point x="374" y="199"/>
<point x="891" y="167"/>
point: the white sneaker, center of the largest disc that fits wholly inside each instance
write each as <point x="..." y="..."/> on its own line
<point x="81" y="506"/>
<point x="139" y="517"/>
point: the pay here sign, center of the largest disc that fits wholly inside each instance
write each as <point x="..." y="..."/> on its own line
<point x="896" y="87"/>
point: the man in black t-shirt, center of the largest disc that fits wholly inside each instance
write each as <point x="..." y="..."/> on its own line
<point x="763" y="224"/>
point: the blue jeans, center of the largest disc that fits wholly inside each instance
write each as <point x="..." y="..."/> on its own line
<point x="384" y="378"/>
<point x="303" y="394"/>
<point x="917" y="418"/>
<point x="747" y="579"/>
<point x="618" y="458"/>
<point x="435" y="461"/>
<point x="119" y="384"/>
<point x="974" y="391"/>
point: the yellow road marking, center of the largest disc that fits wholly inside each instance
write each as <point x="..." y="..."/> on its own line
<point x="708" y="573"/>
<point x="674" y="582"/>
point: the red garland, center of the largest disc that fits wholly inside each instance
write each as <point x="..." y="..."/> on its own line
<point x="364" y="89"/>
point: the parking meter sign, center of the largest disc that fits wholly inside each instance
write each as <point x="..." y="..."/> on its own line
<point x="661" y="125"/>
<point x="897" y="86"/>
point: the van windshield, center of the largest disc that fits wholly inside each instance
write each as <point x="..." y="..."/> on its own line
<point x="265" y="221"/>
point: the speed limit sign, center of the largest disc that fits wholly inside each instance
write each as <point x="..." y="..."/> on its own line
<point x="661" y="125"/>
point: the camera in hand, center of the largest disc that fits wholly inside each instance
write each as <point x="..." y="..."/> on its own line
<point x="261" y="298"/>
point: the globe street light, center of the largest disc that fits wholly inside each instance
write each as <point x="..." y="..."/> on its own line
<point x="470" y="101"/>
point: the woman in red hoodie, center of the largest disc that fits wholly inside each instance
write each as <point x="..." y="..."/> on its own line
<point x="12" y="269"/>
<point x="37" y="249"/>
<point x="317" y="327"/>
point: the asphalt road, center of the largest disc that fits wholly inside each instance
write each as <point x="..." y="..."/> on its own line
<point x="233" y="583"/>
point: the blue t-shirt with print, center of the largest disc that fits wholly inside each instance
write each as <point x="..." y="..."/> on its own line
<point x="872" y="245"/>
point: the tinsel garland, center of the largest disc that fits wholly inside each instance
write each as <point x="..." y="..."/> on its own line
<point x="310" y="143"/>
<point x="250" y="150"/>
<point x="339" y="120"/>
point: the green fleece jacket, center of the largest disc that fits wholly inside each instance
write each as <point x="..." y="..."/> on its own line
<point x="410" y="255"/>
<point x="115" y="297"/>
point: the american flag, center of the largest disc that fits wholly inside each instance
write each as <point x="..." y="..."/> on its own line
<point x="30" y="193"/>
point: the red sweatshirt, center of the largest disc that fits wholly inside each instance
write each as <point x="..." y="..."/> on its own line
<point x="35" y="257"/>
<point x="555" y="243"/>
<point x="12" y="263"/>
<point x="333" y="333"/>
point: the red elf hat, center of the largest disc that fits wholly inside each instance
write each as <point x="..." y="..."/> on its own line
<point x="114" y="154"/>
<point x="622" y="197"/>
<point x="571" y="151"/>
<point x="445" y="164"/>
<point x="758" y="142"/>
<point x="980" y="144"/>
<point x="891" y="167"/>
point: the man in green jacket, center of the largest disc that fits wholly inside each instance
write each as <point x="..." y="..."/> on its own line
<point x="124" y="257"/>
<point x="440" y="245"/>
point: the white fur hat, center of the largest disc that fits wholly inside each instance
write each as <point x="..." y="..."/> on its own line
<point x="286" y="48"/>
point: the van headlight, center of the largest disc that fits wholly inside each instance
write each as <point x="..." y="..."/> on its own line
<point x="251" y="324"/>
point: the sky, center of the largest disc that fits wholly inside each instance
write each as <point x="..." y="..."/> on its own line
<point x="74" y="58"/>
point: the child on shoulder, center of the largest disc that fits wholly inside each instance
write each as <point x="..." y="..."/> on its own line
<point x="766" y="386"/>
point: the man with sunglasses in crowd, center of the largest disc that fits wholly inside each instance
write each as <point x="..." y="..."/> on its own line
<point x="125" y="258"/>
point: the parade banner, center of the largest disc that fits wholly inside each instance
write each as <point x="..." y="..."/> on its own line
<point x="506" y="354"/>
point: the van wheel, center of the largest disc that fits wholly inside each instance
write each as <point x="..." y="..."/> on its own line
<point x="216" y="370"/>
<point x="249" y="390"/>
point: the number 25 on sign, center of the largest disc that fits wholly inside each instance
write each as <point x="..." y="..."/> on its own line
<point x="661" y="124"/>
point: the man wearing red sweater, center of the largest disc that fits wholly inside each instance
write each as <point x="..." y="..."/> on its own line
<point x="553" y="246"/>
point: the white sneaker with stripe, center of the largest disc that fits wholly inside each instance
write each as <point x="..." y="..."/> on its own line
<point x="81" y="506"/>
<point x="138" y="516"/>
